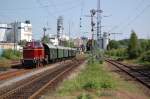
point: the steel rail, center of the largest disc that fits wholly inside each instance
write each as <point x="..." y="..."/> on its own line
<point x="28" y="89"/>
<point x="141" y="78"/>
<point x="8" y="88"/>
<point x="36" y="94"/>
<point x="7" y="75"/>
<point x="142" y="73"/>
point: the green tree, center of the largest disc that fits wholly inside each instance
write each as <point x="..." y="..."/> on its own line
<point x="148" y="46"/>
<point x="22" y="42"/>
<point x="113" y="45"/>
<point x="124" y="43"/>
<point x="67" y="43"/>
<point x="144" y="45"/>
<point x="72" y="44"/>
<point x="145" y="57"/>
<point x="133" y="49"/>
<point x="45" y="39"/>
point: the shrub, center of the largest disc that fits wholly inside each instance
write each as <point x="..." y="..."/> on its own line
<point x="145" y="57"/>
<point x="11" y="54"/>
<point x="121" y="53"/>
<point x="84" y="96"/>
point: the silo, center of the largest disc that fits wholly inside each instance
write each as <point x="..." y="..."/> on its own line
<point x="59" y="26"/>
<point x="3" y="32"/>
<point x="105" y="40"/>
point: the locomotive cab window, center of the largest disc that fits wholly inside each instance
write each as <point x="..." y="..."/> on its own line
<point x="34" y="44"/>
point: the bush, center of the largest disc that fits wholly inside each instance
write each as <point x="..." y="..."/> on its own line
<point x="84" y="96"/>
<point x="145" y="57"/>
<point x="11" y="54"/>
<point x="117" y="53"/>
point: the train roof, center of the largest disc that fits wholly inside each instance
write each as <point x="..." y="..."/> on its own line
<point x="65" y="47"/>
<point x="51" y="46"/>
<point x="59" y="47"/>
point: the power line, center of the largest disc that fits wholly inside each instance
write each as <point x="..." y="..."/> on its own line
<point x="137" y="16"/>
<point x="41" y="6"/>
<point x="53" y="4"/>
<point x="38" y="2"/>
<point x="59" y="11"/>
<point x="128" y="17"/>
<point x="26" y="8"/>
<point x="45" y="8"/>
<point x="68" y="9"/>
<point x="81" y="14"/>
<point x="82" y="8"/>
<point x="68" y="2"/>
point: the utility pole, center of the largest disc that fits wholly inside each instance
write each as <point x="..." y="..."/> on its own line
<point x="99" y="17"/>
<point x="93" y="12"/>
<point x="69" y="33"/>
<point x="44" y="30"/>
<point x="14" y="35"/>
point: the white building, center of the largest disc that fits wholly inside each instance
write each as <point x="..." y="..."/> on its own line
<point x="105" y="40"/>
<point x="78" y="42"/>
<point x="20" y="31"/>
<point x="53" y="39"/>
<point x="3" y="32"/>
<point x="64" y="37"/>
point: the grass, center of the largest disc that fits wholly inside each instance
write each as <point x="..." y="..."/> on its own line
<point x="94" y="77"/>
<point x="4" y="63"/>
<point x="7" y="56"/>
<point x="84" y="96"/>
<point x="93" y="82"/>
<point x="96" y="81"/>
<point x="11" y="54"/>
<point x="144" y="64"/>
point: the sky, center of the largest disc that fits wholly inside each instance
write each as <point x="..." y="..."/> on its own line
<point x="119" y="16"/>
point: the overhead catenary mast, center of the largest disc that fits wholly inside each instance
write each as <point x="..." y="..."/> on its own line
<point x="81" y="15"/>
<point x="99" y="35"/>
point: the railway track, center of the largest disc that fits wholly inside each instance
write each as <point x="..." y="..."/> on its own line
<point x="32" y="87"/>
<point x="140" y="76"/>
<point x="14" y="73"/>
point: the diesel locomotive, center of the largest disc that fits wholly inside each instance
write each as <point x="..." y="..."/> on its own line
<point x="37" y="54"/>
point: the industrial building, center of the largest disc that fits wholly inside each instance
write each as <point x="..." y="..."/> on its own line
<point x="105" y="40"/>
<point x="20" y="31"/>
<point x="3" y="32"/>
<point x="60" y="27"/>
<point x="55" y="41"/>
<point x="16" y="32"/>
